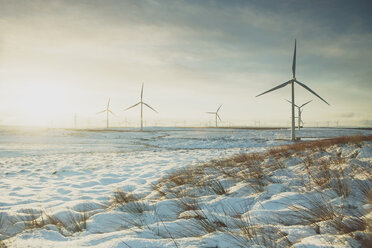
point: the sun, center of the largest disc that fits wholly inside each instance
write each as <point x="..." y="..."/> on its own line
<point x="41" y="104"/>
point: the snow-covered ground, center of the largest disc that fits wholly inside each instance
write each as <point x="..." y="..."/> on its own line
<point x="60" y="172"/>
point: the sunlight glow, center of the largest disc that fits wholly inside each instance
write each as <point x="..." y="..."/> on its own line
<point x="42" y="103"/>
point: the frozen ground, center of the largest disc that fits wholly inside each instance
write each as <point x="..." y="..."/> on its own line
<point x="57" y="171"/>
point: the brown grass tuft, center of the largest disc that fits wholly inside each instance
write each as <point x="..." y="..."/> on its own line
<point x="315" y="210"/>
<point x="188" y="204"/>
<point x="217" y="187"/>
<point x="207" y="223"/>
<point x="76" y="222"/>
<point x="121" y="198"/>
<point x="33" y="219"/>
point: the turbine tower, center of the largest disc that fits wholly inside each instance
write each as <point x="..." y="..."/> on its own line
<point x="299" y="113"/>
<point x="108" y="111"/>
<point x="142" y="103"/>
<point x="216" y="114"/>
<point x="292" y="82"/>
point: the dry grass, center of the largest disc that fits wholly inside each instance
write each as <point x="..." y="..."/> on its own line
<point x="2" y="231"/>
<point x="73" y="222"/>
<point x="321" y="145"/>
<point x="53" y="220"/>
<point x="251" y="169"/>
<point x="2" y="244"/>
<point x="188" y="204"/>
<point x="2" y="220"/>
<point x="316" y="209"/>
<point x="217" y="187"/>
<point x="158" y="187"/>
<point x="248" y="234"/>
<point x="246" y="230"/>
<point x="272" y="237"/>
<point x="365" y="239"/>
<point x="76" y="222"/>
<point x="322" y="175"/>
<point x="182" y="177"/>
<point x="207" y="222"/>
<point x="340" y="183"/>
<point x="319" y="172"/>
<point x="136" y="207"/>
<point x="186" y="185"/>
<point x="33" y="219"/>
<point x="121" y="198"/>
<point x="248" y="167"/>
<point x="170" y="234"/>
<point x="365" y="186"/>
<point x="349" y="225"/>
<point x="172" y="186"/>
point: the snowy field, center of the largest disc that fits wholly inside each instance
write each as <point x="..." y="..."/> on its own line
<point x="60" y="172"/>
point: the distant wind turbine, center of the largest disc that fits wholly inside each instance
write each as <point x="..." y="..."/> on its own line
<point x="108" y="111"/>
<point x="142" y="103"/>
<point x="300" y="113"/>
<point x="292" y="81"/>
<point x="216" y="115"/>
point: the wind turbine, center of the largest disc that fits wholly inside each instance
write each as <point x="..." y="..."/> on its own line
<point x="142" y="103"/>
<point x="108" y="111"/>
<point x="216" y="114"/>
<point x="299" y="112"/>
<point x="292" y="82"/>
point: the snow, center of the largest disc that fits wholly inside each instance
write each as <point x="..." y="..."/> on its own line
<point x="67" y="172"/>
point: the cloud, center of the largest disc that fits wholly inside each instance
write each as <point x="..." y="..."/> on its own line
<point x="347" y="115"/>
<point x="229" y="49"/>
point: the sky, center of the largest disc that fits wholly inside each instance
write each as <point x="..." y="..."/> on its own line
<point x="58" y="58"/>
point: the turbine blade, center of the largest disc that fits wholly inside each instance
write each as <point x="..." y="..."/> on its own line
<point x="303" y="85"/>
<point x="112" y="113"/>
<point x="219" y="108"/>
<point x="294" y="62"/>
<point x="210" y="112"/>
<point x="150" y="107"/>
<point x="218" y="117"/>
<point x="305" y="103"/>
<point x="108" y="103"/>
<point x="132" y="106"/>
<point x="101" y="111"/>
<point x="275" y="88"/>
<point x="142" y="91"/>
<point x="291" y="102"/>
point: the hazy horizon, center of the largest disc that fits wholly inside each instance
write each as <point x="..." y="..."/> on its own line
<point x="58" y="58"/>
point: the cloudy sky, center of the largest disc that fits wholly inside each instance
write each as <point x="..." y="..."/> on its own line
<point x="58" y="58"/>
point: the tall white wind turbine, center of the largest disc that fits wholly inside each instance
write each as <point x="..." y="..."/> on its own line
<point x="108" y="111"/>
<point x="216" y="115"/>
<point x="299" y="113"/>
<point x="292" y="82"/>
<point x="142" y="103"/>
